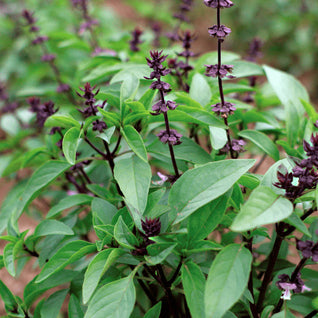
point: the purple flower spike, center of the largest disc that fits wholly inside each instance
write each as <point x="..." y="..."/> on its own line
<point x="48" y="57"/>
<point x="62" y="88"/>
<point x="99" y="125"/>
<point x="151" y="227"/>
<point x="40" y="39"/>
<point x="305" y="247"/>
<point x="219" y="32"/>
<point x="215" y="71"/>
<point x="223" y="110"/>
<point x="163" y="86"/>
<point x="173" y="138"/>
<point x="218" y="3"/>
<point x="135" y="41"/>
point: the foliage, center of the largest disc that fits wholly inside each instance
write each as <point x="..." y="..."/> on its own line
<point x="140" y="172"/>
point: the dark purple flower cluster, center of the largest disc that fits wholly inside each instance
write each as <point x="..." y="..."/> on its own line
<point x="42" y="110"/>
<point x="155" y="62"/>
<point x="48" y="57"/>
<point x="219" y="32"/>
<point x="216" y="71"/>
<point x="151" y="227"/>
<point x="187" y="38"/>
<point x="162" y="107"/>
<point x="91" y="109"/>
<point x="254" y="51"/>
<point x="305" y="171"/>
<point x="135" y="41"/>
<point x="223" y="110"/>
<point x="237" y="147"/>
<point x="308" y="249"/>
<point x="172" y="137"/>
<point x="7" y="106"/>
<point x="218" y="3"/>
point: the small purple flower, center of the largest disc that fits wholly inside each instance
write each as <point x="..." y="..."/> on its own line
<point x="43" y="111"/>
<point x="172" y="138"/>
<point x="40" y="39"/>
<point x="162" y="107"/>
<point x="98" y="51"/>
<point x="48" y="57"/>
<point x="87" y="25"/>
<point x="305" y="247"/>
<point x="215" y="71"/>
<point x="62" y="88"/>
<point x="156" y="64"/>
<point x="237" y="146"/>
<point x="162" y="86"/>
<point x="255" y="50"/>
<point x="99" y="125"/>
<point x="135" y="41"/>
<point x="223" y="110"/>
<point x="218" y="3"/>
<point x="219" y="32"/>
<point x="28" y="16"/>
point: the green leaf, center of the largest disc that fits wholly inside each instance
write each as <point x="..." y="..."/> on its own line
<point x="200" y="90"/>
<point x="7" y="297"/>
<point x="70" y="144"/>
<point x="96" y="269"/>
<point x="103" y="211"/>
<point x="189" y="151"/>
<point x="107" y="134"/>
<point x="74" y="308"/>
<point x="158" y="252"/>
<point x="310" y="110"/>
<point x="203" y="221"/>
<point x="52" y="227"/>
<point x="200" y="185"/>
<point x="33" y="290"/>
<point x="63" y="121"/>
<point x="116" y="299"/>
<point x="296" y="221"/>
<point x="193" y="282"/>
<point x="154" y="312"/>
<point x="69" y="202"/>
<point x="133" y="176"/>
<point x="245" y="69"/>
<point x="124" y="236"/>
<point x="52" y="306"/>
<point x="40" y="179"/>
<point x="218" y="137"/>
<point x="112" y="117"/>
<point x="183" y="98"/>
<point x="264" y="206"/>
<point x="227" y="280"/>
<point x="135" y="142"/>
<point x="9" y="259"/>
<point x="128" y="90"/>
<point x="147" y="98"/>
<point x="290" y="92"/>
<point x="262" y="141"/>
<point x="66" y="255"/>
<point x="267" y="311"/>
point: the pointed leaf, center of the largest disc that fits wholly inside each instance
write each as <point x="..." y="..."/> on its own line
<point x="97" y="268"/>
<point x="193" y="282"/>
<point x="70" y="144"/>
<point x="133" y="176"/>
<point x="52" y="306"/>
<point x="264" y="206"/>
<point x="74" y="308"/>
<point x="124" y="236"/>
<point x="158" y="252"/>
<point x="52" y="227"/>
<point x="227" y="280"/>
<point x="154" y="312"/>
<point x="66" y="255"/>
<point x="135" y="142"/>
<point x="114" y="300"/>
<point x="201" y="185"/>
<point x="200" y="90"/>
<point x="64" y="121"/>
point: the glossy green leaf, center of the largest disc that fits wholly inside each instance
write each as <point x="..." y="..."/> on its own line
<point x="158" y="252"/>
<point x="103" y="211"/>
<point x="296" y="221"/>
<point x="70" y="144"/>
<point x="246" y="68"/>
<point x="154" y="312"/>
<point x="74" y="308"/>
<point x="218" y="137"/>
<point x="8" y="259"/>
<point x="290" y="92"/>
<point x="52" y="227"/>
<point x="128" y="90"/>
<point x="107" y="134"/>
<point x="111" y="117"/>
<point x="124" y="236"/>
<point x="200" y="185"/>
<point x="33" y="290"/>
<point x="64" y="121"/>
<point x="310" y="110"/>
<point x="203" y="221"/>
<point x="133" y="176"/>
<point x="262" y="141"/>
<point x="264" y="206"/>
<point x="135" y="142"/>
<point x="40" y="179"/>
<point x="147" y="98"/>
<point x="193" y="282"/>
<point x="200" y="90"/>
<point x="7" y="297"/>
<point x="114" y="300"/>
<point x="227" y="280"/>
<point x="189" y="151"/>
<point x="66" y="255"/>
<point x="69" y="202"/>
<point x="52" y="306"/>
<point x="97" y="268"/>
